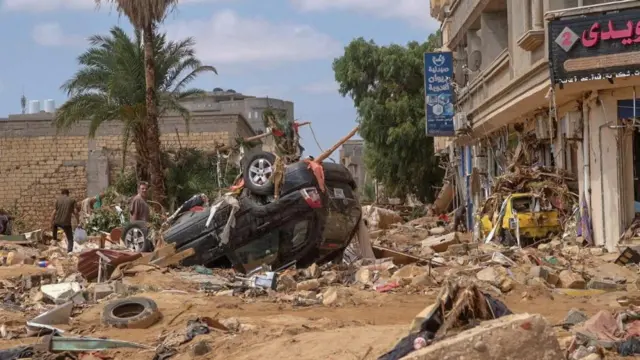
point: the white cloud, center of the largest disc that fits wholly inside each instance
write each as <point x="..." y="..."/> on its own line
<point x="54" y="5"/>
<point x="321" y="87"/>
<point x="51" y="34"/>
<point x="416" y="12"/>
<point x="227" y="38"/>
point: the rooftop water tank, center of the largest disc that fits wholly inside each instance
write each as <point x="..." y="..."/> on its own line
<point x="49" y="106"/>
<point x="34" y="106"/>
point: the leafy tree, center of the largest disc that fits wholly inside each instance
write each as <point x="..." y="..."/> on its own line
<point x="110" y="86"/>
<point x="145" y="15"/>
<point x="386" y="84"/>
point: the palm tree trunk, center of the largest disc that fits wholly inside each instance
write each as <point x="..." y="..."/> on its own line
<point x="153" y="142"/>
<point x="142" y="153"/>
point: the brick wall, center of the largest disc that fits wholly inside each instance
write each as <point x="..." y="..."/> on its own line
<point x="35" y="162"/>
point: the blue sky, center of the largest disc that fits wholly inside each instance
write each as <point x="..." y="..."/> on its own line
<point x="280" y="48"/>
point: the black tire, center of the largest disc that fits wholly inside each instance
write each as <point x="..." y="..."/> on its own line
<point x="258" y="161"/>
<point x="137" y="229"/>
<point x="131" y="313"/>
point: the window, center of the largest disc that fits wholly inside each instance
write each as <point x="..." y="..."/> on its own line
<point x="261" y="251"/>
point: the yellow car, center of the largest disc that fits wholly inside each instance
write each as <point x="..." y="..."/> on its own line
<point x="529" y="214"/>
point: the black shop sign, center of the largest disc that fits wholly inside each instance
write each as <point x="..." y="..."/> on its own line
<point x="594" y="47"/>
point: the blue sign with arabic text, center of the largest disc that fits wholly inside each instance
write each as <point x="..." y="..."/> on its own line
<point x="438" y="74"/>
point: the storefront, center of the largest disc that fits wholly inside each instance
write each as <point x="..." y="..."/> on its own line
<point x="594" y="58"/>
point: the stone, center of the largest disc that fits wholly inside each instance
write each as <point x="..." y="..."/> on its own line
<point x="437" y="231"/>
<point x="497" y="276"/>
<point x="570" y="251"/>
<point x="308" y="285"/>
<point x="101" y="291"/>
<point x="307" y="294"/>
<point x="422" y="280"/>
<point x="231" y="323"/>
<point x="441" y="243"/>
<point x="408" y="272"/>
<point x="329" y="277"/>
<point x="225" y="293"/>
<point x="571" y="280"/>
<point x="313" y="271"/>
<point x="286" y="282"/>
<point x="457" y="249"/>
<point x="606" y="285"/>
<point x="555" y="244"/>
<point x="544" y="247"/>
<point x="538" y="272"/>
<point x="536" y="341"/>
<point x="200" y="348"/>
<point x="334" y="296"/>
<point x="553" y="279"/>
<point x="363" y="276"/>
<point x="575" y="317"/>
<point x="596" y="251"/>
<point x="592" y="357"/>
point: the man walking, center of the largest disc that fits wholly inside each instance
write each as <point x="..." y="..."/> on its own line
<point x="65" y="207"/>
<point x="138" y="207"/>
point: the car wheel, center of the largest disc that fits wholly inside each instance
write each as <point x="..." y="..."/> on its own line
<point x="258" y="171"/>
<point x="136" y="237"/>
<point x="131" y="313"/>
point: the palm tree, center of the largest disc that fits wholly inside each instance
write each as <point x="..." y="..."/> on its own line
<point x="110" y="86"/>
<point x="144" y="15"/>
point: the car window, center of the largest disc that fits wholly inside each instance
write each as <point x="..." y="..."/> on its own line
<point x="259" y="252"/>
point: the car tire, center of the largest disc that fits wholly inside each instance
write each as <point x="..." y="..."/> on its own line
<point x="257" y="173"/>
<point x="135" y="237"/>
<point x="131" y="313"/>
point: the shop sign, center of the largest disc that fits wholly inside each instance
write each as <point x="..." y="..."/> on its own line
<point x="595" y="47"/>
<point x="438" y="75"/>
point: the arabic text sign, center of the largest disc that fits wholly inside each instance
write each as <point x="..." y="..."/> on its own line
<point x="595" y="46"/>
<point x="438" y="74"/>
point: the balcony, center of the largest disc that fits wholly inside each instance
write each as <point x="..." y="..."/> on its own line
<point x="464" y="16"/>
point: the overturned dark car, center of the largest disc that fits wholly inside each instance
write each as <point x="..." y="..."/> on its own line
<point x="311" y="220"/>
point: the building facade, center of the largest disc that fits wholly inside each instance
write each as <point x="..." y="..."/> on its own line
<point x="352" y="156"/>
<point x="562" y="71"/>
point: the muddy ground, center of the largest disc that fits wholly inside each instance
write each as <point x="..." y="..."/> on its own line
<point x="366" y="326"/>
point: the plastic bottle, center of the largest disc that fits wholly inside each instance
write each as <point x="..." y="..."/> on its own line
<point x="43" y="263"/>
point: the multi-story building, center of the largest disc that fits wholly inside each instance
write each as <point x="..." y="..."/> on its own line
<point x="232" y="102"/>
<point x="352" y="156"/>
<point x="564" y="70"/>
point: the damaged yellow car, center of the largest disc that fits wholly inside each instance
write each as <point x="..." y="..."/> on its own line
<point x="521" y="216"/>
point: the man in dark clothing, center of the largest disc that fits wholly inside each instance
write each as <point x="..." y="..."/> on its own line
<point x="459" y="218"/>
<point x="138" y="208"/>
<point x="5" y="223"/>
<point x="65" y="208"/>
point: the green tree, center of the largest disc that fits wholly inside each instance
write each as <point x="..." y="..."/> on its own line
<point x="386" y="84"/>
<point x="145" y="15"/>
<point x="110" y="86"/>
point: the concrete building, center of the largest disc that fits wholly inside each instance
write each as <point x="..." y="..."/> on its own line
<point x="352" y="156"/>
<point x="232" y="102"/>
<point x="563" y="70"/>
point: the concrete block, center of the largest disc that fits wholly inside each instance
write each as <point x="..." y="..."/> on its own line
<point x="575" y="317"/>
<point x="101" y="291"/>
<point x="571" y="280"/>
<point x="441" y="243"/>
<point x="538" y="272"/>
<point x="493" y="340"/>
<point x="606" y="285"/>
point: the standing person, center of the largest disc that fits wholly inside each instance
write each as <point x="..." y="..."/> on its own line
<point x="88" y="205"/>
<point x="65" y="207"/>
<point x="138" y="207"/>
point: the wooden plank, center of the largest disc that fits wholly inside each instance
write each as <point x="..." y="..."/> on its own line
<point x="156" y="254"/>
<point x="174" y="259"/>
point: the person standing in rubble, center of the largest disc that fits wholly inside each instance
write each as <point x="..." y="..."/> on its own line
<point x="458" y="218"/>
<point x="138" y="207"/>
<point x="88" y="205"/>
<point x="64" y="209"/>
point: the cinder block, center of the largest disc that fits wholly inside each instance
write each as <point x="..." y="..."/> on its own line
<point x="515" y="337"/>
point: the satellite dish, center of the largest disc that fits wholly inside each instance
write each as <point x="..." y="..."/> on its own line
<point x="475" y="60"/>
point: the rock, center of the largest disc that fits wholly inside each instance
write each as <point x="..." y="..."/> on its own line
<point x="422" y="280"/>
<point x="553" y="279"/>
<point x="306" y="294"/>
<point x="313" y="271"/>
<point x="231" y="323"/>
<point x="565" y="342"/>
<point x="247" y="327"/>
<point x="62" y="292"/>
<point x="555" y="244"/>
<point x="544" y="247"/>
<point x="480" y="346"/>
<point x="308" y="285"/>
<point x="225" y="293"/>
<point x="497" y="276"/>
<point x="538" y="272"/>
<point x="536" y="341"/>
<point x="101" y="291"/>
<point x="329" y="277"/>
<point x="200" y="348"/>
<point x="606" y="285"/>
<point x="575" y="317"/>
<point x="570" y="251"/>
<point x="441" y="243"/>
<point x="596" y="251"/>
<point x="437" y="231"/>
<point x="286" y="282"/>
<point x="334" y="296"/>
<point x="592" y="357"/>
<point x="571" y="280"/>
<point x="363" y="276"/>
<point x="408" y="272"/>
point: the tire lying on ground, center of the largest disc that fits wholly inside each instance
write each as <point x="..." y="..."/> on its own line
<point x="131" y="313"/>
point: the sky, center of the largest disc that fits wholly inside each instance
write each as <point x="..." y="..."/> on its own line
<point x="277" y="48"/>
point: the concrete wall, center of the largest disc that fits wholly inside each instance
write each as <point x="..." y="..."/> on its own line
<point x="352" y="156"/>
<point x="35" y="162"/>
